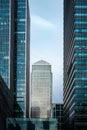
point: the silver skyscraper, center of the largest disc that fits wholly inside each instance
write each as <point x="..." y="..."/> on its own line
<point x="41" y="90"/>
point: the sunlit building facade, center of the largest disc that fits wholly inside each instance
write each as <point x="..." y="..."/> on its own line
<point x="75" y="64"/>
<point x="41" y="90"/>
<point x="14" y="51"/>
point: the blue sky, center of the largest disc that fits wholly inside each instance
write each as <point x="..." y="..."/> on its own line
<point x="47" y="39"/>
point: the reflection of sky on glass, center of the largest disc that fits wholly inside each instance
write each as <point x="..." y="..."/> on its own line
<point x="47" y="39"/>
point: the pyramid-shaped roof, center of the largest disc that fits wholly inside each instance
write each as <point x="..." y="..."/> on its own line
<point x="41" y="62"/>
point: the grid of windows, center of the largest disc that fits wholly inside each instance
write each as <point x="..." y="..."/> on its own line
<point x="81" y="51"/>
<point x="14" y="50"/>
<point x="75" y="64"/>
<point x="4" y="39"/>
<point x="20" y="37"/>
<point x="41" y="90"/>
<point x="57" y="112"/>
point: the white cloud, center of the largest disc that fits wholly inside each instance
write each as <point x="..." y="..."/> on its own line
<point x="41" y="22"/>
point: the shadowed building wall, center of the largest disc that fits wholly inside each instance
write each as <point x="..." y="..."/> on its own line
<point x="6" y="104"/>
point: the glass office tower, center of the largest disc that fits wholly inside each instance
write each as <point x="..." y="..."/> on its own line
<point x="14" y="51"/>
<point x="75" y="64"/>
<point x="41" y="90"/>
<point x="4" y="39"/>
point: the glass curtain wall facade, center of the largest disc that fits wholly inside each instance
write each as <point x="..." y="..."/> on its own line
<point x="75" y="64"/>
<point x="4" y="39"/>
<point x="41" y="90"/>
<point x="31" y="124"/>
<point x="14" y="51"/>
<point x="21" y="52"/>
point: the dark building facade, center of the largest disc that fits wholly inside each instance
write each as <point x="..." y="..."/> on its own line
<point x="57" y="112"/>
<point x="75" y="64"/>
<point x="6" y="104"/>
<point x="15" y="51"/>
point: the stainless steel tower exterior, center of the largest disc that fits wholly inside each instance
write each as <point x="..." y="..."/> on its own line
<point x="41" y="90"/>
<point x="15" y="51"/>
<point x="75" y="64"/>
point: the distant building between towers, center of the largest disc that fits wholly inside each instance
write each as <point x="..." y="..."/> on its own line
<point x="41" y="90"/>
